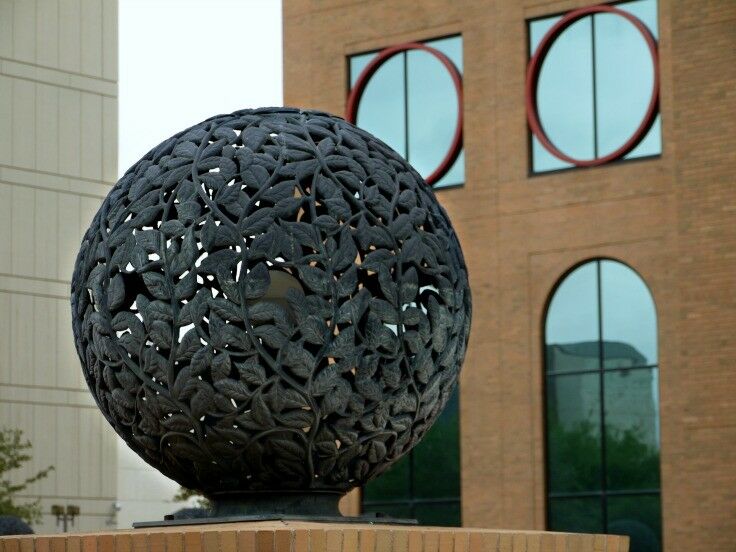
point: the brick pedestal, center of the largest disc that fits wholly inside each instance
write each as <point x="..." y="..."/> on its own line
<point x="285" y="536"/>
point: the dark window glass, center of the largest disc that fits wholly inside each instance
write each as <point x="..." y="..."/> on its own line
<point x="411" y="488"/>
<point x="594" y="86"/>
<point x="574" y="433"/>
<point x="602" y="419"/>
<point x="442" y="514"/>
<point x="640" y="517"/>
<point x="392" y="485"/>
<point x="412" y="106"/>
<point x="577" y="515"/>
<point x="632" y="429"/>
<point x="439" y="448"/>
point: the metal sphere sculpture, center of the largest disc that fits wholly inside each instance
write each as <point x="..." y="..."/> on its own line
<point x="271" y="301"/>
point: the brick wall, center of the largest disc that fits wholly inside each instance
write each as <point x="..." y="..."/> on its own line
<point x="294" y="536"/>
<point x="670" y="218"/>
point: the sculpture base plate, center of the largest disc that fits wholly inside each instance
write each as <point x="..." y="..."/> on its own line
<point x="365" y="520"/>
<point x="302" y="506"/>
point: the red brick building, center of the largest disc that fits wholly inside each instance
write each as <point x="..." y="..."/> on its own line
<point x="527" y="216"/>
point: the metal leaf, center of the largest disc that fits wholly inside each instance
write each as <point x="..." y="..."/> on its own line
<point x="315" y="279"/>
<point x="157" y="285"/>
<point x="232" y="389"/>
<point x="251" y="371"/>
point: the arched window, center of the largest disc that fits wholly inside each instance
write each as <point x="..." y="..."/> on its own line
<point x="602" y="405"/>
<point x="425" y="484"/>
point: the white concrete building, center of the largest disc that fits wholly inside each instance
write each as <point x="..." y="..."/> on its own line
<point x="58" y="160"/>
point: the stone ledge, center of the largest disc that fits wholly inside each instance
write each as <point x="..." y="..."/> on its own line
<point x="287" y="536"/>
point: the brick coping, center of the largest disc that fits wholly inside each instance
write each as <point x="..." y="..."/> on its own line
<point x="301" y="536"/>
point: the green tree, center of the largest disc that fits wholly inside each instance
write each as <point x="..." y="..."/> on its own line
<point x="14" y="452"/>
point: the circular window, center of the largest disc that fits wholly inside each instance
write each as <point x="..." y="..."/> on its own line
<point x="424" y="126"/>
<point x="592" y="86"/>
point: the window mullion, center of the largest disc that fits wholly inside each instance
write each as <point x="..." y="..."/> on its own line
<point x="601" y="399"/>
<point x="406" y="106"/>
<point x="595" y="93"/>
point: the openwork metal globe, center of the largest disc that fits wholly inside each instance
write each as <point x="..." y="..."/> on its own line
<point x="271" y="302"/>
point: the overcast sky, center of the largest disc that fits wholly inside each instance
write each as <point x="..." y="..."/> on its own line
<point x="182" y="61"/>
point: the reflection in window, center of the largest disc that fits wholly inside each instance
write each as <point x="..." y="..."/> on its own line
<point x="602" y="405"/>
<point x="594" y="86"/>
<point x="411" y="104"/>
<point x="412" y="489"/>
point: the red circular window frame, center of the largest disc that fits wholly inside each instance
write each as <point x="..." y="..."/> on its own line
<point x="351" y="112"/>
<point x="535" y="67"/>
